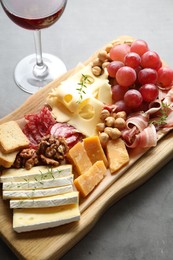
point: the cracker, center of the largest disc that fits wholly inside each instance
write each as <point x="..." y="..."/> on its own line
<point x="12" y="138"/>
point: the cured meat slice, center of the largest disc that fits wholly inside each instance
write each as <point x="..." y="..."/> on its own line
<point x="139" y="133"/>
<point x="71" y="134"/>
<point x="140" y="120"/>
<point x="38" y="125"/>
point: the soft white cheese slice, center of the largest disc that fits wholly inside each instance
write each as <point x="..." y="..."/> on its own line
<point x="35" y="193"/>
<point x="36" y="219"/>
<point x="52" y="201"/>
<point x="38" y="173"/>
<point x="42" y="184"/>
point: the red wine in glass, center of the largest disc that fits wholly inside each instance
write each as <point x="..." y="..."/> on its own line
<point x="35" y="71"/>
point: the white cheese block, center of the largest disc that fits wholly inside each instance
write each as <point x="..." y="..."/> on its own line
<point x="35" y="193"/>
<point x="38" y="173"/>
<point x="42" y="184"/>
<point x="52" y="201"/>
<point x="36" y="219"/>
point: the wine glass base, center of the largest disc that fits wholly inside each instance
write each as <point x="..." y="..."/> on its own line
<point x="25" y="79"/>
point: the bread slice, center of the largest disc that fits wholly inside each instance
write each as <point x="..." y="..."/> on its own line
<point x="12" y="138"/>
<point x="7" y="160"/>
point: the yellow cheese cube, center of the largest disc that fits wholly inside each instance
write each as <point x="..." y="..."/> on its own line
<point x="86" y="182"/>
<point x="117" y="154"/>
<point x="79" y="158"/>
<point x="94" y="149"/>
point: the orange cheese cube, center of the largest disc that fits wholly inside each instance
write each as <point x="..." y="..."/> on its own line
<point x="117" y="154"/>
<point x="94" y="150"/>
<point x="86" y="182"/>
<point x="79" y="158"/>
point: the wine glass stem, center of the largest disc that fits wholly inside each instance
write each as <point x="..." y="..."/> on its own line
<point x="40" y="69"/>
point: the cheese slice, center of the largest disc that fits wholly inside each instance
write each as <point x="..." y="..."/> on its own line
<point x="76" y="90"/>
<point x="105" y="94"/>
<point x="79" y="158"/>
<point x="52" y="201"/>
<point x="35" y="193"/>
<point x="38" y="173"/>
<point x="37" y="219"/>
<point x="42" y="184"/>
<point x="81" y="108"/>
<point x="117" y="154"/>
<point x="60" y="112"/>
<point x="86" y="182"/>
<point x="94" y="149"/>
<point x="87" y="125"/>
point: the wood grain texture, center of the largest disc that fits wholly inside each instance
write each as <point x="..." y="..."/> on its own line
<point x="54" y="243"/>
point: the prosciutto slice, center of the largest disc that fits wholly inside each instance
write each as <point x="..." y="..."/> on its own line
<point x="139" y="119"/>
<point x="168" y="100"/>
<point x="139" y="133"/>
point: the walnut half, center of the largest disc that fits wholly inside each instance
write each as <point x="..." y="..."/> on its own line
<point x="51" y="151"/>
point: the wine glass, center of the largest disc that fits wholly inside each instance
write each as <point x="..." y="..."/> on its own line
<point x="36" y="70"/>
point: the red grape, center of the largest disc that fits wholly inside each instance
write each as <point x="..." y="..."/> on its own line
<point x="112" y="81"/>
<point x="113" y="67"/>
<point x="150" y="59"/>
<point x="118" y="52"/>
<point x="133" y="98"/>
<point x="149" y="92"/>
<point x="126" y="76"/>
<point x="165" y="76"/>
<point x="121" y="106"/>
<point x="118" y="93"/>
<point x="159" y="65"/>
<point x="132" y="60"/>
<point x="139" y="46"/>
<point x="147" y="75"/>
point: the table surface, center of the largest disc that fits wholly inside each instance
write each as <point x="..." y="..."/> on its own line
<point x="140" y="225"/>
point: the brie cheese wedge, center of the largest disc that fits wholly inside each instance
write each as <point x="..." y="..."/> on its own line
<point x="38" y="184"/>
<point x="36" y="219"/>
<point x="38" y="173"/>
<point x="52" y="201"/>
<point x="35" y="193"/>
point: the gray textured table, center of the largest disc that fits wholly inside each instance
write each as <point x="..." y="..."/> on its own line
<point x="140" y="226"/>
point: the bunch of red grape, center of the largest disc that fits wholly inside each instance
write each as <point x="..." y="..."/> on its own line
<point x="136" y="74"/>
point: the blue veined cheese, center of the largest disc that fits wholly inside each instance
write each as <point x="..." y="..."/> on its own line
<point x="52" y="201"/>
<point x="38" y="184"/>
<point x="35" y="193"/>
<point x="38" y="173"/>
<point x="41" y="218"/>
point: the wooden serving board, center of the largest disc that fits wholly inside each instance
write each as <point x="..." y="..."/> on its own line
<point x="54" y="243"/>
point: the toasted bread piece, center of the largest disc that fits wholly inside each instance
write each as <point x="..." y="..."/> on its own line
<point x="11" y="137"/>
<point x="7" y="160"/>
